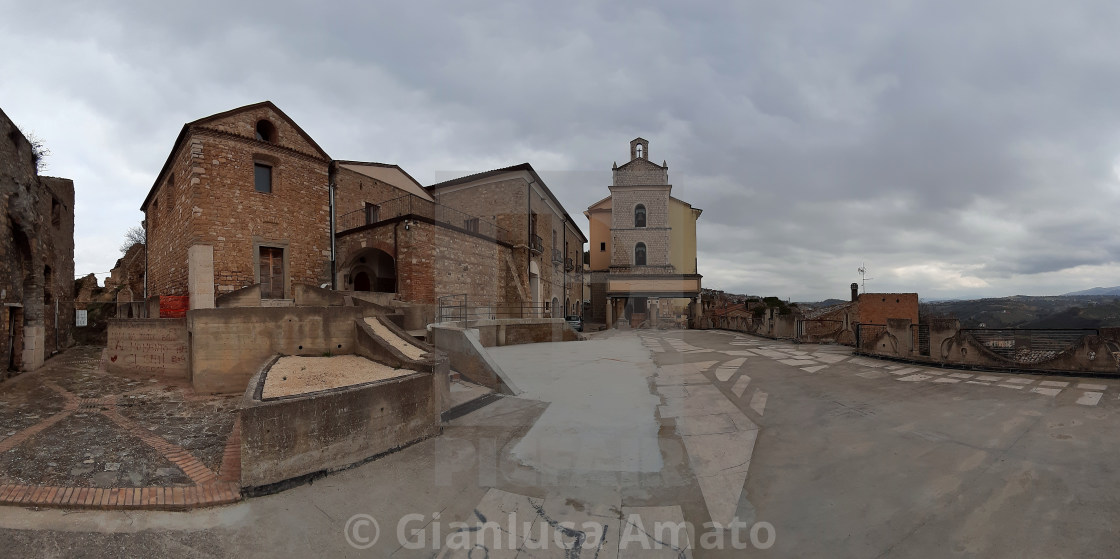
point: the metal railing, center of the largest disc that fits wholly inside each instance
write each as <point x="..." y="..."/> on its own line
<point x="868" y="334"/>
<point x="457" y="308"/>
<point x="819" y="327"/>
<point x="1028" y="346"/>
<point x="536" y="244"/>
<point x="411" y="205"/>
<point x="456" y="218"/>
<point x="557" y="256"/>
<point x="569" y="265"/>
<point x="386" y="210"/>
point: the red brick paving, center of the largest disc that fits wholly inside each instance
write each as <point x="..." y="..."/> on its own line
<point x="210" y="489"/>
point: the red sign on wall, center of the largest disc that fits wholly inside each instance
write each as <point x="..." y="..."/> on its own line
<point x="174" y="306"/>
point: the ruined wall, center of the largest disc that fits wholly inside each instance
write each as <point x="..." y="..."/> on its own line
<point x="37" y="268"/>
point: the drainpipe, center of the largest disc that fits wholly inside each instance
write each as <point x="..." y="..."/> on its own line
<point x="563" y="257"/>
<point x="330" y="190"/>
<point x="147" y="245"/>
<point x="529" y="244"/>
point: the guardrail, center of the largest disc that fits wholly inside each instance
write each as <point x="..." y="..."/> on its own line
<point x="457" y="308"/>
<point x="411" y="205"/>
<point x="1028" y="345"/>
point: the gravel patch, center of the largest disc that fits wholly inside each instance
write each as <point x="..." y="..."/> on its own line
<point x="299" y="375"/>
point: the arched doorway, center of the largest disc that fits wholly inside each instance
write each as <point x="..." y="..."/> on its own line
<point x="373" y="270"/>
<point x="361" y="281"/>
<point x="556" y="311"/>
<point x="534" y="286"/>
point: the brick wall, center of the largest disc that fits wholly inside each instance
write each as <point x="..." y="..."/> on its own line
<point x="209" y="198"/>
<point x="353" y="190"/>
<point x="876" y="308"/>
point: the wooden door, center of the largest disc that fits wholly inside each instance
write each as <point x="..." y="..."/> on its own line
<point x="272" y="273"/>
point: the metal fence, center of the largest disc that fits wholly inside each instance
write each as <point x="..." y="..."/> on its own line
<point x="819" y="327"/>
<point x="921" y="337"/>
<point x="868" y="334"/>
<point x="411" y="205"/>
<point x="1028" y="345"/>
<point x="458" y="308"/>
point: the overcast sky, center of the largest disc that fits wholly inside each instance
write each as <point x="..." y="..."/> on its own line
<point x="959" y="149"/>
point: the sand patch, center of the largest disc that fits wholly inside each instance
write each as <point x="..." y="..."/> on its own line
<point x="298" y="375"/>
<point x="409" y="350"/>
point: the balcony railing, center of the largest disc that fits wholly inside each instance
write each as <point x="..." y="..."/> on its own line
<point x="569" y="265"/>
<point x="536" y="244"/>
<point x="410" y="205"/>
<point x="557" y="256"/>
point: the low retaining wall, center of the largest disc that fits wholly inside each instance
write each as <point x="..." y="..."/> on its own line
<point x="227" y="346"/>
<point x="157" y="346"/>
<point x="291" y="437"/>
<point x="514" y="331"/>
<point x="1096" y="352"/>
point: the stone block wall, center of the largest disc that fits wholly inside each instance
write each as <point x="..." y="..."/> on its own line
<point x="37" y="267"/>
<point x="641" y="172"/>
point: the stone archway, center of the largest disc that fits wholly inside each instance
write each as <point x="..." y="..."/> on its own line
<point x="373" y="270"/>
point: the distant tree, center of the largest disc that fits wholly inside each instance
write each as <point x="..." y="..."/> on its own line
<point x="134" y="235"/>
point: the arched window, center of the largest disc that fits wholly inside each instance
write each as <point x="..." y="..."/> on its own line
<point x="639" y="150"/>
<point x="640" y="216"/>
<point x="266" y="132"/>
<point x="640" y="254"/>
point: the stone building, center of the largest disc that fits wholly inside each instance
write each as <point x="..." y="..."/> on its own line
<point x="247" y="198"/>
<point x="643" y="247"/>
<point x="544" y="265"/>
<point x="841" y="323"/>
<point x="36" y="256"/>
<point x="241" y="200"/>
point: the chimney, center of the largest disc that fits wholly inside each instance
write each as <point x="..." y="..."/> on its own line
<point x="855" y="292"/>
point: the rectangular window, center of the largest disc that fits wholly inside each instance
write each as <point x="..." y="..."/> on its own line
<point x="372" y="213"/>
<point x="262" y="177"/>
<point x="602" y="247"/>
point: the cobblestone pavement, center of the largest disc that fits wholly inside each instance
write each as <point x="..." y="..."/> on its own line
<point x="75" y="435"/>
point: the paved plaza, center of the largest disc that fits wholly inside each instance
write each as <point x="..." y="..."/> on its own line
<point x="752" y="447"/>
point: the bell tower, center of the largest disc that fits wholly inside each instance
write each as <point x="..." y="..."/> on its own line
<point x="639" y="149"/>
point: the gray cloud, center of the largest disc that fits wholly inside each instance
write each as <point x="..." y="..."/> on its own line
<point x="957" y="149"/>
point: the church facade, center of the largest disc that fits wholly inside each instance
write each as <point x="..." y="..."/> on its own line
<point x="643" y="248"/>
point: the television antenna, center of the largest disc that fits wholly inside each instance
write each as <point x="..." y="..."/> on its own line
<point x="863" y="277"/>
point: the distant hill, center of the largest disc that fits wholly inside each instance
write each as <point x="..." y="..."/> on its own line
<point x="1020" y="311"/>
<point x="1095" y="291"/>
